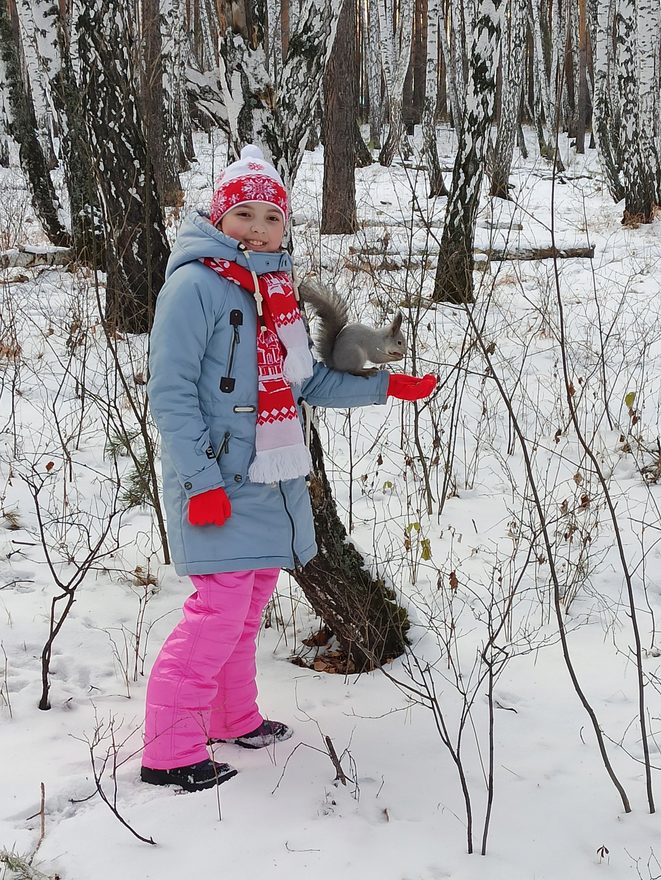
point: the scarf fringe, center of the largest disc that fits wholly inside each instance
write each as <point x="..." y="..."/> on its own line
<point x="284" y="463"/>
<point x="298" y="365"/>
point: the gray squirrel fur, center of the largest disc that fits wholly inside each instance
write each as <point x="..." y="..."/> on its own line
<point x="347" y="347"/>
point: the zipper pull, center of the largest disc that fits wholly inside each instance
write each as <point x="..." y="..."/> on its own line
<point x="224" y="447"/>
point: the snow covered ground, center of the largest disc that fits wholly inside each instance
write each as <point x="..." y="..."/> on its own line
<point x="475" y="576"/>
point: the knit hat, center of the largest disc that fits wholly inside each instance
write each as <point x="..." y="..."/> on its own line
<point x="250" y="179"/>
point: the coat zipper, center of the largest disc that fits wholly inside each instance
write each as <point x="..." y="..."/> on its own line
<point x="291" y="523"/>
<point x="235" y="341"/>
<point x="224" y="447"/>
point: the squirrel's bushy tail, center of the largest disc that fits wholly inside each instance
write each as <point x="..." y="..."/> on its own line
<point x="332" y="312"/>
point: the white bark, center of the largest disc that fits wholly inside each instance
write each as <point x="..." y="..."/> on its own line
<point x="176" y="51"/>
<point x="639" y="163"/>
<point x="454" y="279"/>
<point x="274" y="38"/>
<point x="513" y="43"/>
<point x="601" y="22"/>
<point x="372" y="41"/>
<point x="40" y="56"/>
<point x="396" y="55"/>
<point x="430" y="150"/>
<point x="277" y="114"/>
<point x="458" y="49"/>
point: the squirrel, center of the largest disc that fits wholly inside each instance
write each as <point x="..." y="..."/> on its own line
<point x="347" y="347"/>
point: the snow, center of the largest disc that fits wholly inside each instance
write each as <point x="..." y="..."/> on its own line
<point x="401" y="816"/>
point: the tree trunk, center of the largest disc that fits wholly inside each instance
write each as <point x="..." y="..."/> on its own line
<point x="637" y="176"/>
<point x="163" y="161"/>
<point x="363" y="155"/>
<point x="178" y="139"/>
<point x="79" y="175"/>
<point x="454" y="276"/>
<point x="374" y="72"/>
<point x="23" y="130"/>
<point x="338" y="215"/>
<point x="396" y="54"/>
<point x="359" y="609"/>
<point x="512" y="67"/>
<point x="582" y="86"/>
<point x="605" y="126"/>
<point x="430" y="151"/>
<point x="137" y="250"/>
<point x="280" y="126"/>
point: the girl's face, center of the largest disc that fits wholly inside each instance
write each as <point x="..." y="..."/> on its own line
<point x="257" y="225"/>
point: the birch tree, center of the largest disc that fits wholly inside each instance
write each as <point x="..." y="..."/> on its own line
<point x="396" y="43"/>
<point x="454" y="275"/>
<point x="435" y="22"/>
<point x="638" y="156"/>
<point x="275" y="113"/>
<point x="601" y="16"/>
<point x="512" y="60"/>
<point x="545" y="97"/>
<point x="137" y="249"/>
<point x="370" y="11"/>
<point x="23" y="124"/>
<point x="178" y="140"/>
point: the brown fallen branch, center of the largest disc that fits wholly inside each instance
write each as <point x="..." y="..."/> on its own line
<point x="28" y="257"/>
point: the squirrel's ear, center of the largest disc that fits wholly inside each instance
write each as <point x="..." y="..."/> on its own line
<point x="396" y="325"/>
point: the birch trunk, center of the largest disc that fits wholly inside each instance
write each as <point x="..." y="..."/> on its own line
<point x="638" y="175"/>
<point x="396" y="53"/>
<point x="277" y="115"/>
<point x="545" y="110"/>
<point x="435" y="21"/>
<point x="582" y="82"/>
<point x="136" y="246"/>
<point x="454" y="276"/>
<point x="39" y="52"/>
<point x="457" y="70"/>
<point x="374" y="74"/>
<point x="601" y="22"/>
<point x="649" y="82"/>
<point x="23" y="128"/>
<point x="513" y="46"/>
<point x="178" y="140"/>
<point x="456" y="104"/>
<point x="79" y="175"/>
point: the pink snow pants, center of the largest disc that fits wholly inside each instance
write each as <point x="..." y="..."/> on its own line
<point x="202" y="684"/>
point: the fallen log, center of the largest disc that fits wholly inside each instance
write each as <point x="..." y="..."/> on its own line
<point x="371" y="260"/>
<point x="27" y="257"/>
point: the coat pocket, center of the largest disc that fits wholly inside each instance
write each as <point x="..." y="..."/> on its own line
<point x="235" y="455"/>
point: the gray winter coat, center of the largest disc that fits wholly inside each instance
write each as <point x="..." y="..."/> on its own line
<point x="203" y="396"/>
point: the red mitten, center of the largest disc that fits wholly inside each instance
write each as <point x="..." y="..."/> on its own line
<point x="210" y="508"/>
<point x="406" y="387"/>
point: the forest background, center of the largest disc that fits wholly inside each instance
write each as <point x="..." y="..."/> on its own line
<point x="475" y="668"/>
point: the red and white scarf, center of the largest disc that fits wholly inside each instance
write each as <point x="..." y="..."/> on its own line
<point x="283" y="358"/>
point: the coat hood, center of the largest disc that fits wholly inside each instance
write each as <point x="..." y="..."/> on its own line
<point x="199" y="238"/>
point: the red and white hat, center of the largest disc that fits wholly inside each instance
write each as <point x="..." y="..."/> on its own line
<point x="250" y="179"/>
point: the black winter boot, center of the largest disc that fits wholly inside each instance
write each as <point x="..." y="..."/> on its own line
<point x="194" y="777"/>
<point x="268" y="733"/>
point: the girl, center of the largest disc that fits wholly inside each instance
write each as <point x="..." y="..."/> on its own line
<point x="229" y="365"/>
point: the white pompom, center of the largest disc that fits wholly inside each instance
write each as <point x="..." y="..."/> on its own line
<point x="251" y="151"/>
